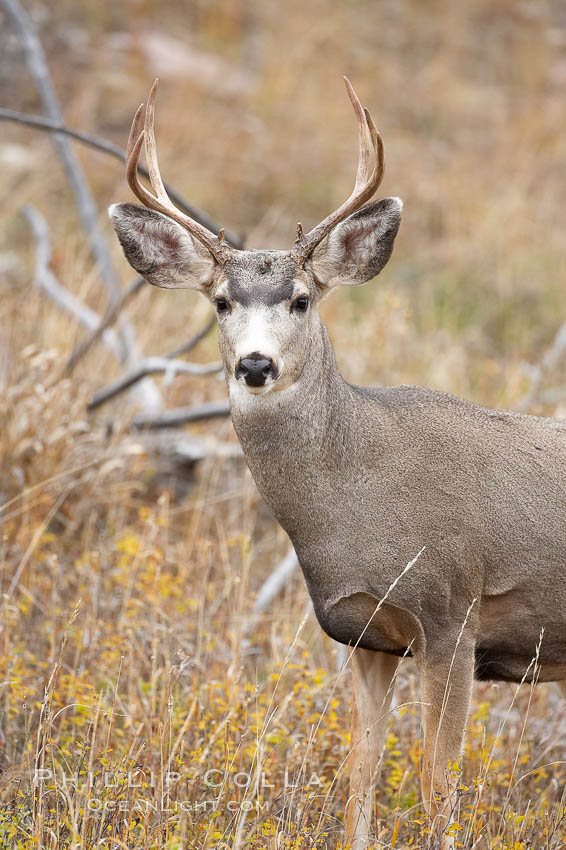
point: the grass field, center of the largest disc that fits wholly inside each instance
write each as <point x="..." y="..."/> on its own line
<point x="137" y="687"/>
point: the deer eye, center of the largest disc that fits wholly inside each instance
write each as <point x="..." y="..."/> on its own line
<point x="221" y="305"/>
<point x="300" y="304"/>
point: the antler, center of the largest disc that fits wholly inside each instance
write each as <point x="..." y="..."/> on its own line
<point x="367" y="180"/>
<point x="160" y="200"/>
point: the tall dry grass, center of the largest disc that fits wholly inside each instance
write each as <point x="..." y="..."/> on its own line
<point x="128" y="648"/>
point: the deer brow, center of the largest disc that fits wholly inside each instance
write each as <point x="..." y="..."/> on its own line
<point x="264" y="294"/>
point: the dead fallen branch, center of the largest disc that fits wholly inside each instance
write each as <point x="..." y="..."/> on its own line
<point x="183" y="416"/>
<point x="275" y="581"/>
<point x="38" y="122"/>
<point x="194" y="340"/>
<point x="180" y="448"/>
<point x="46" y="281"/>
<point x="107" y="320"/>
<point x="88" y="213"/>
<point x="147" y="392"/>
<point x="151" y="366"/>
<point x="170" y="458"/>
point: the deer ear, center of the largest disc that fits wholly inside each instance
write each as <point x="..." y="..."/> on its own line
<point x="160" y="250"/>
<point x="358" y="248"/>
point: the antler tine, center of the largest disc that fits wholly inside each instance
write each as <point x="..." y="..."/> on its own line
<point x="160" y="201"/>
<point x="135" y="130"/>
<point x="150" y="146"/>
<point x="134" y="182"/>
<point x="377" y="145"/>
<point x="367" y="179"/>
<point x="364" y="137"/>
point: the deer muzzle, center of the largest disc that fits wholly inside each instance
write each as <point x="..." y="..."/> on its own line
<point x="255" y="369"/>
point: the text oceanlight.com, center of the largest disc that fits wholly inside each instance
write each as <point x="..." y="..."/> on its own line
<point x="102" y="784"/>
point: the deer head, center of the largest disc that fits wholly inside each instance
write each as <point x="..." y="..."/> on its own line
<point x="266" y="301"/>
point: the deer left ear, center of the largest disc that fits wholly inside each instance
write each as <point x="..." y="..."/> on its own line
<point x="160" y="250"/>
<point x="358" y="248"/>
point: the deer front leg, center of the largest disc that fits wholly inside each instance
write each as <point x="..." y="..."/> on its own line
<point x="447" y="674"/>
<point x="373" y="691"/>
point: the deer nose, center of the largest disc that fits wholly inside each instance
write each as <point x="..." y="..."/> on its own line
<point x="254" y="369"/>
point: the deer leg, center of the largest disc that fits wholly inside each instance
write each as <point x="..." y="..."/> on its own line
<point x="373" y="691"/>
<point x="447" y="675"/>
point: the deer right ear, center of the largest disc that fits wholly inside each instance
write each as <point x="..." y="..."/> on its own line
<point x="359" y="247"/>
<point x="160" y="249"/>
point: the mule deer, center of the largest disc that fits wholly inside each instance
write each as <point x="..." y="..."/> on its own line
<point x="363" y="480"/>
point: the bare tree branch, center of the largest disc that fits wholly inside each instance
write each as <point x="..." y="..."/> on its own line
<point x="85" y="203"/>
<point x="151" y="366"/>
<point x="275" y="581"/>
<point x="103" y="145"/>
<point x="47" y="282"/>
<point x="108" y="319"/>
<point x="183" y="415"/>
<point x="194" y="340"/>
<point x="39" y="122"/>
<point x="273" y="585"/>
<point x="180" y="448"/>
<point x="148" y="394"/>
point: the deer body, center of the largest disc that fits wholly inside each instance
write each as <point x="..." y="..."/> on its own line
<point x="362" y="479"/>
<point x="425" y="525"/>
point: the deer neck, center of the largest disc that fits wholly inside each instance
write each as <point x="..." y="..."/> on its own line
<point x="289" y="434"/>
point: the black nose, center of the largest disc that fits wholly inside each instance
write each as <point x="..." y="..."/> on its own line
<point x="254" y="369"/>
